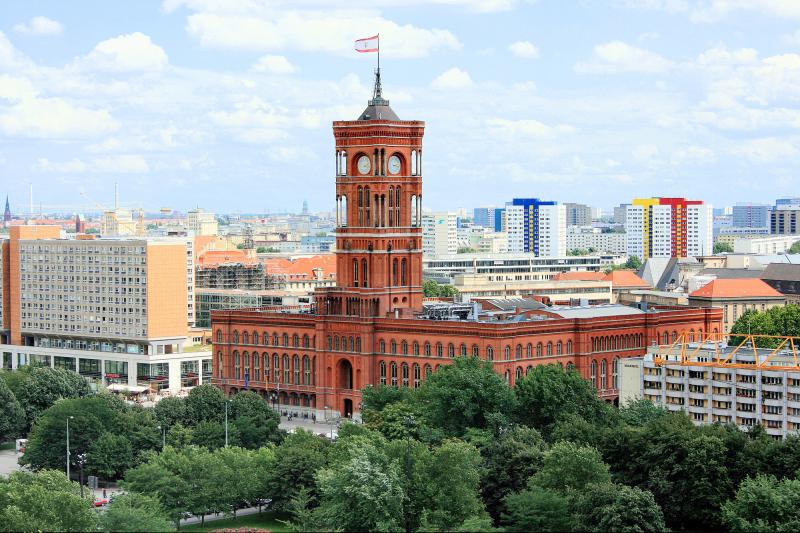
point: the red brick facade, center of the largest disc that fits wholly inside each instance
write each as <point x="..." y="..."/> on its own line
<point x="365" y="331"/>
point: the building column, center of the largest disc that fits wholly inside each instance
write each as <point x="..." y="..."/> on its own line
<point x="133" y="373"/>
<point x="174" y="376"/>
<point x="200" y="370"/>
<point x="103" y="372"/>
<point x="77" y="364"/>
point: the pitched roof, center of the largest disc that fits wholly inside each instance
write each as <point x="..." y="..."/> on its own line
<point x="220" y="257"/>
<point x="781" y="272"/>
<point x="736" y="288"/>
<point x="579" y="275"/>
<point x="731" y="273"/>
<point x="301" y="267"/>
<point x="625" y="278"/>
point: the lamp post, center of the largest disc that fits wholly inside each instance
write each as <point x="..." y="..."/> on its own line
<point x="226" y="422"/>
<point x="68" y="419"/>
<point x="163" y="431"/>
<point x="274" y="397"/>
<point x="81" y="458"/>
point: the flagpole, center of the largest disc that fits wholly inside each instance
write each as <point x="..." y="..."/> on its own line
<point x="379" y="52"/>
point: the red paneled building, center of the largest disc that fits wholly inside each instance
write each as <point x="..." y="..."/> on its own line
<point x="372" y="328"/>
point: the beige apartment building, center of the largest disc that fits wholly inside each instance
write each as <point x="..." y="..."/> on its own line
<point x="107" y="308"/>
<point x="592" y="292"/>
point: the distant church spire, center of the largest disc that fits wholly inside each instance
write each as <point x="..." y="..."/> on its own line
<point x="7" y="213"/>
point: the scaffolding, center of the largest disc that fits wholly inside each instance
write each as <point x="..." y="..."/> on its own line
<point x="732" y="350"/>
<point x="232" y="276"/>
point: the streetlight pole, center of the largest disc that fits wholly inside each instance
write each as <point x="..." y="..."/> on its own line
<point x="68" y="419"/>
<point x="81" y="461"/>
<point x="163" y="436"/>
<point x="226" y="423"/>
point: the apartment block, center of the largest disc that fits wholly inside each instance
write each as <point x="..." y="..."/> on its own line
<point x="750" y="215"/>
<point x="536" y="227"/>
<point x="201" y="223"/>
<point x="81" y="303"/>
<point x="669" y="227"/>
<point x="594" y="239"/>
<point x="578" y="214"/>
<point x="439" y="234"/>
<point x="718" y="383"/>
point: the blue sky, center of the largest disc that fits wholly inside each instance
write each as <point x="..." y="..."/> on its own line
<point x="227" y="104"/>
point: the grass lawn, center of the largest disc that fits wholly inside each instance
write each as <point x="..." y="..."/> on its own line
<point x="264" y="520"/>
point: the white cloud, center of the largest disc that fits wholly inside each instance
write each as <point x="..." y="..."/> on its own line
<point x="524" y="49"/>
<point x="330" y="32"/>
<point x="16" y="88"/>
<point x="692" y="155"/>
<point x="619" y="57"/>
<point x="118" y="164"/>
<point x="54" y="118"/>
<point x="274" y="65"/>
<point x="10" y="57"/>
<point x="714" y="10"/>
<point x="39" y="26"/>
<point x="525" y="128"/>
<point x="263" y="6"/>
<point x="722" y="56"/>
<point x="131" y="52"/>
<point x="767" y="149"/>
<point x="792" y="39"/>
<point x="453" y="78"/>
<point x="645" y="152"/>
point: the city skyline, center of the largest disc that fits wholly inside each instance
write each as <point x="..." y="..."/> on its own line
<point x="185" y="103"/>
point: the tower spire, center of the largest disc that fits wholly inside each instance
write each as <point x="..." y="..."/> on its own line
<point x="377" y="95"/>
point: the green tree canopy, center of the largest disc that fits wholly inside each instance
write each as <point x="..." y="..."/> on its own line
<point x="794" y="248"/>
<point x="467" y="393"/>
<point x="135" y="512"/>
<point x="780" y="321"/>
<point x="609" y="507"/>
<point x="297" y="459"/>
<point x="205" y="403"/>
<point x="12" y="417"/>
<point x="536" y="509"/>
<point x="764" y="503"/>
<point x="42" y="386"/>
<point x="722" y="248"/>
<point x="170" y="411"/>
<point x="43" y="501"/>
<point x="568" y="466"/>
<point x="431" y="289"/>
<point x="109" y="456"/>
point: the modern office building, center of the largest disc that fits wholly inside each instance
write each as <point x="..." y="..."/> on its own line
<point x="716" y="382"/>
<point x="489" y="217"/>
<point x="439" y="234"/>
<point x="621" y="213"/>
<point x="784" y="218"/>
<point x="750" y="215"/>
<point x="114" y="309"/>
<point x="201" y="223"/>
<point x="536" y="227"/>
<point x="372" y="328"/>
<point x="669" y="227"/>
<point x="578" y="214"/>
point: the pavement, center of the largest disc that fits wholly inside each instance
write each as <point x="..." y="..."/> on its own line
<point x="8" y="462"/>
<point x="211" y="517"/>
<point x="319" y="428"/>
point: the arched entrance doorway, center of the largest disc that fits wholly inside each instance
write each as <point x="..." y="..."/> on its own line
<point x="348" y="408"/>
<point x="344" y="372"/>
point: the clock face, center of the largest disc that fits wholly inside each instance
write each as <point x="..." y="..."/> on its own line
<point x="394" y="164"/>
<point x="363" y="164"/>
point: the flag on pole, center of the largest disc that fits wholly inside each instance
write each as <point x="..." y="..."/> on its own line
<point x="368" y="44"/>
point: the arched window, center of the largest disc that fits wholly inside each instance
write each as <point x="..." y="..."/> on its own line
<point x="393" y="347"/>
<point x="336" y="343"/>
<point x="507" y="376"/>
<point x="538" y="349"/>
<point x="594" y="374"/>
<point x="507" y="353"/>
<point x="489" y="353"/>
<point x="519" y="374"/>
<point x="358" y="344"/>
<point x="427" y="349"/>
<point x="415" y="348"/>
<point x="256" y="367"/>
<point x="364" y="274"/>
<point x="394" y="374"/>
<point x="569" y="347"/>
<point x="674" y="336"/>
<point x="306" y="370"/>
<point x="391" y="211"/>
<point x="549" y="348"/>
<point x="355" y="272"/>
<point x="236" y="363"/>
<point x="394" y="272"/>
<point x="219" y="336"/>
<point x="615" y="373"/>
<point x="266" y="366"/>
<point x="666" y="338"/>
<point x="451" y="350"/>
<point x="287" y="377"/>
<point x="274" y="339"/>
<point x="518" y="352"/>
<point x="344" y="343"/>
<point x="559" y="348"/>
<point x="296" y="369"/>
<point x="383" y="372"/>
<point x="404" y="373"/>
<point x="382" y="346"/>
<point x="360" y="205"/>
<point x="235" y="336"/>
<point x="286" y="339"/>
<point x="475" y="352"/>
<point x="529" y="350"/>
<point x="603" y="374"/>
<point x="438" y="349"/>
<point x="330" y="343"/>
<point x="463" y="350"/>
<point x="428" y="371"/>
<point x="404" y="347"/>
<point x="255" y="337"/>
<point x="276" y="368"/>
<point x="246" y="361"/>
<point x="416" y="375"/>
<point x="306" y="341"/>
<point x="220" y="373"/>
<point x="403" y="268"/>
<point x="296" y="340"/>
<point x="245" y="338"/>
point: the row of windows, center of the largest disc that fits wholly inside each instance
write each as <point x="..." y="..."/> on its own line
<point x="600" y="380"/>
<point x="277" y="340"/>
<point x="254" y="367"/>
<point x="557" y="348"/>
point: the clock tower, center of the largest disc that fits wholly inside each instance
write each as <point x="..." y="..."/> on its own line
<point x="378" y="214"/>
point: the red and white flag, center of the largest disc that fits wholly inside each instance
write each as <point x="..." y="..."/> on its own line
<point x="368" y="44"/>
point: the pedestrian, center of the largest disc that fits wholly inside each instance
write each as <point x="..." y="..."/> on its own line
<point x="314" y="417"/>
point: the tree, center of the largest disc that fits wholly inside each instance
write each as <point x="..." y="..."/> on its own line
<point x="633" y="263"/>
<point x="794" y="248"/>
<point x="508" y="462"/>
<point x="89" y="418"/>
<point x="467" y="393"/>
<point x="261" y="250"/>
<point x="211" y="435"/>
<point x="170" y="411"/>
<point x="782" y="321"/>
<point x="363" y="493"/>
<point x="109" y="456"/>
<point x="578" y="252"/>
<point x="466" y="250"/>
<point x="297" y="459"/>
<point x="43" y="386"/>
<point x="609" y="507"/>
<point x="205" y="403"/>
<point x="43" y="501"/>
<point x="179" y="436"/>
<point x="256" y="424"/>
<point x="724" y="248"/>
<point x="431" y="289"/>
<point x="549" y="392"/>
<point x="764" y="503"/>
<point x="569" y="466"/>
<point x="11" y="415"/>
<point x="135" y="512"/>
<point x="536" y="509"/>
